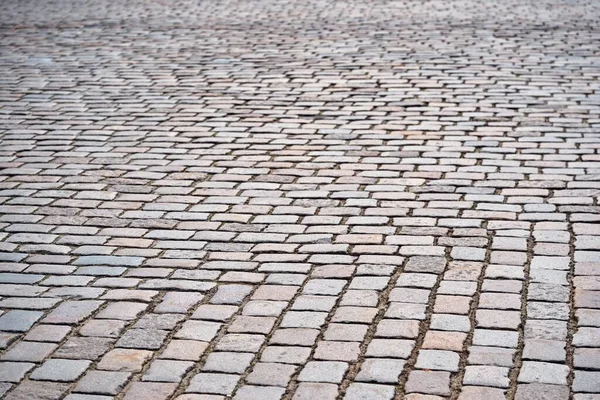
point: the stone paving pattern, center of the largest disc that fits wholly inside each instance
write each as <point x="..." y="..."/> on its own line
<point x="277" y="199"/>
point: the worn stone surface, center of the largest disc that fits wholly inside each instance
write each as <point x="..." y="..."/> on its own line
<point x="259" y="392"/>
<point x="323" y="371"/>
<point x="150" y="391"/>
<point x="38" y="390"/>
<point x="19" y="320"/>
<point x="270" y="199"/>
<point x="14" y="371"/>
<point x="380" y="370"/>
<point x="539" y="391"/>
<point x="60" y="370"/>
<point x="102" y="382"/>
<point x="358" y="391"/>
<point x="428" y="382"/>
<point x="83" y="348"/>
<point x="131" y="360"/>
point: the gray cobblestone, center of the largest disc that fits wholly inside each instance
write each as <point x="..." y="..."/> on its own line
<point x="102" y="382"/>
<point x="83" y="348"/>
<point x="307" y="391"/>
<point x="167" y="371"/>
<point x="535" y="391"/>
<point x="438" y="360"/>
<point x="371" y="391"/>
<point x="380" y="370"/>
<point x="428" y="382"/>
<point x="38" y="390"/>
<point x="228" y="362"/>
<point x="60" y="370"/>
<point x="259" y="392"/>
<point x="150" y="391"/>
<point x="14" y="371"/>
<point x="124" y="360"/>
<point x="541" y="372"/>
<point x="271" y="374"/>
<point x="29" y="351"/>
<point x="142" y="339"/>
<point x="19" y="320"/>
<point x="213" y="383"/>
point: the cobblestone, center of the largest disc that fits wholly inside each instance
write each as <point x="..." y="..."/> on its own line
<point x="380" y="370"/>
<point x="19" y="320"/>
<point x="299" y="200"/>
<point x="323" y="371"/>
<point x="14" y="371"/>
<point x="38" y="390"/>
<point x="102" y="382"/>
<point x="60" y="370"/>
<point x="124" y="360"/>
<point x="167" y="371"/>
<point x="150" y="391"/>
<point x="84" y="348"/>
<point x="534" y="391"/>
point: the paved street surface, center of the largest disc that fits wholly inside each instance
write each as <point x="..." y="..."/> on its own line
<point x="312" y="199"/>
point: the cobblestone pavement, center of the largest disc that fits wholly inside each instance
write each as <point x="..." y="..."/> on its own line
<point x="316" y="199"/>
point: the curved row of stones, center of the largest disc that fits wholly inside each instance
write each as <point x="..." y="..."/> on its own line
<point x="299" y="200"/>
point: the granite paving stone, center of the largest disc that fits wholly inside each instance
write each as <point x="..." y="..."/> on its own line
<point x="19" y="320"/>
<point x="150" y="391"/>
<point x="369" y="391"/>
<point x="259" y="392"/>
<point x="72" y="311"/>
<point x="83" y="348"/>
<point x="323" y="371"/>
<point x="228" y="362"/>
<point x="102" y="382"/>
<point x="380" y="370"/>
<point x="167" y="371"/>
<point x="586" y="382"/>
<point x="190" y="350"/>
<point x="428" y="382"/>
<point x="38" y="390"/>
<point x="48" y="333"/>
<point x="542" y="372"/>
<point x="29" y="351"/>
<point x="60" y="370"/>
<point x="151" y="339"/>
<point x="14" y="371"/>
<point x="438" y="360"/>
<point x="539" y="391"/>
<point x="103" y="328"/>
<point x="285" y="354"/>
<point x="488" y="376"/>
<point x="124" y="360"/>
<point x="212" y="383"/>
<point x="308" y="391"/>
<point x="271" y="374"/>
<point x="481" y="392"/>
